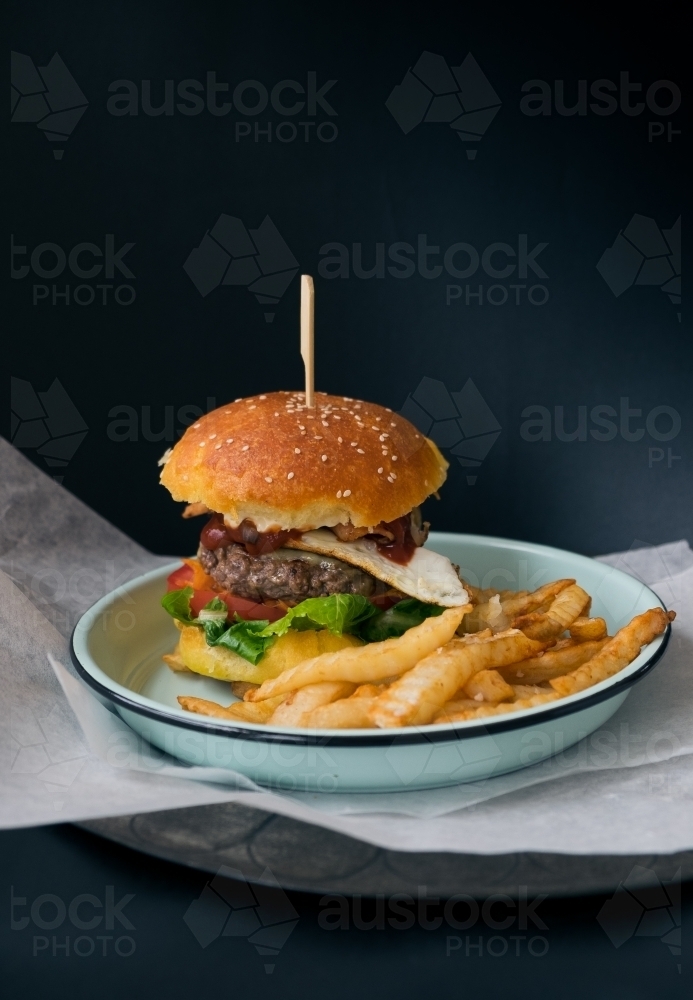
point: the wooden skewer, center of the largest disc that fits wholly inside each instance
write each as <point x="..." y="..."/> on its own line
<point x="307" y="335"/>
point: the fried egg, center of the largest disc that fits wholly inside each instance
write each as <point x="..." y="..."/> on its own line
<point x="428" y="576"/>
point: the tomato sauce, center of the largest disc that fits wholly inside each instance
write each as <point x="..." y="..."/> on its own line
<point x="401" y="548"/>
<point x="216" y="534"/>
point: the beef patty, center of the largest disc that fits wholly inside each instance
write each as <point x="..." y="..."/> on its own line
<point x="284" y="575"/>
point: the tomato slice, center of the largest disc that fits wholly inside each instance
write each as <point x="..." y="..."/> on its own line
<point x="181" y="577"/>
<point x="250" y="610"/>
<point x="184" y="576"/>
<point x="200" y="598"/>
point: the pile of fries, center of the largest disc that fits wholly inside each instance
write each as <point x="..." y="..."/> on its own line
<point x="503" y="652"/>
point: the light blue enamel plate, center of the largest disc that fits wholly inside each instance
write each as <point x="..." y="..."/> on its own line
<point x="117" y="647"/>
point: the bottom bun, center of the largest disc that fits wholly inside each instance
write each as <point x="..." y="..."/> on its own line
<point x="288" y="651"/>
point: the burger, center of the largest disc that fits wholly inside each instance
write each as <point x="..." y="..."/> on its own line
<point x="313" y="538"/>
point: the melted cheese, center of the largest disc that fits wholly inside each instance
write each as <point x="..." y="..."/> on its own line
<point x="428" y="576"/>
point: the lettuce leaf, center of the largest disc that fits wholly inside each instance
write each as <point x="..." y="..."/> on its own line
<point x="214" y="612"/>
<point x="397" y="619"/>
<point x="242" y="637"/>
<point x="177" y="603"/>
<point x="339" y="613"/>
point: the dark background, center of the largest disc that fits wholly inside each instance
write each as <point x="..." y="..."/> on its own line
<point x="160" y="182"/>
<point x="574" y="959"/>
<point x="572" y="182"/>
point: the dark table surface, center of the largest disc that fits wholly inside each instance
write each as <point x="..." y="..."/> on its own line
<point x="341" y="948"/>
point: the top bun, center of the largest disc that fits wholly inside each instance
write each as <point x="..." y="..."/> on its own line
<point x="283" y="465"/>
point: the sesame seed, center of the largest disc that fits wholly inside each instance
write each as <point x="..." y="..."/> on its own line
<point x="375" y="428"/>
<point x="276" y="414"/>
<point x="229" y="440"/>
<point x="347" y="493"/>
<point x="360" y="451"/>
<point x="262" y="397"/>
<point x="301" y="427"/>
<point x="238" y="400"/>
<point x="245" y="447"/>
<point x="217" y="447"/>
<point x="354" y="443"/>
<point x="253" y="407"/>
<point x="339" y="494"/>
<point x="268" y="479"/>
<point x="380" y="470"/>
<point x="196" y="426"/>
<point x="336" y="416"/>
<point x="324" y="458"/>
<point x="478" y="697"/>
<point x="297" y="451"/>
<point x="202" y="444"/>
<point x="394" y="458"/>
<point x="341" y="440"/>
<point x="393" y="425"/>
<point x="303" y="432"/>
<point x="317" y="437"/>
<point x="290" y="475"/>
<point x="325" y="423"/>
<point x="390" y="479"/>
<point x="212" y="436"/>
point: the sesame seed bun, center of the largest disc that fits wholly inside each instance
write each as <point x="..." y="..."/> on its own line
<point x="271" y="459"/>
